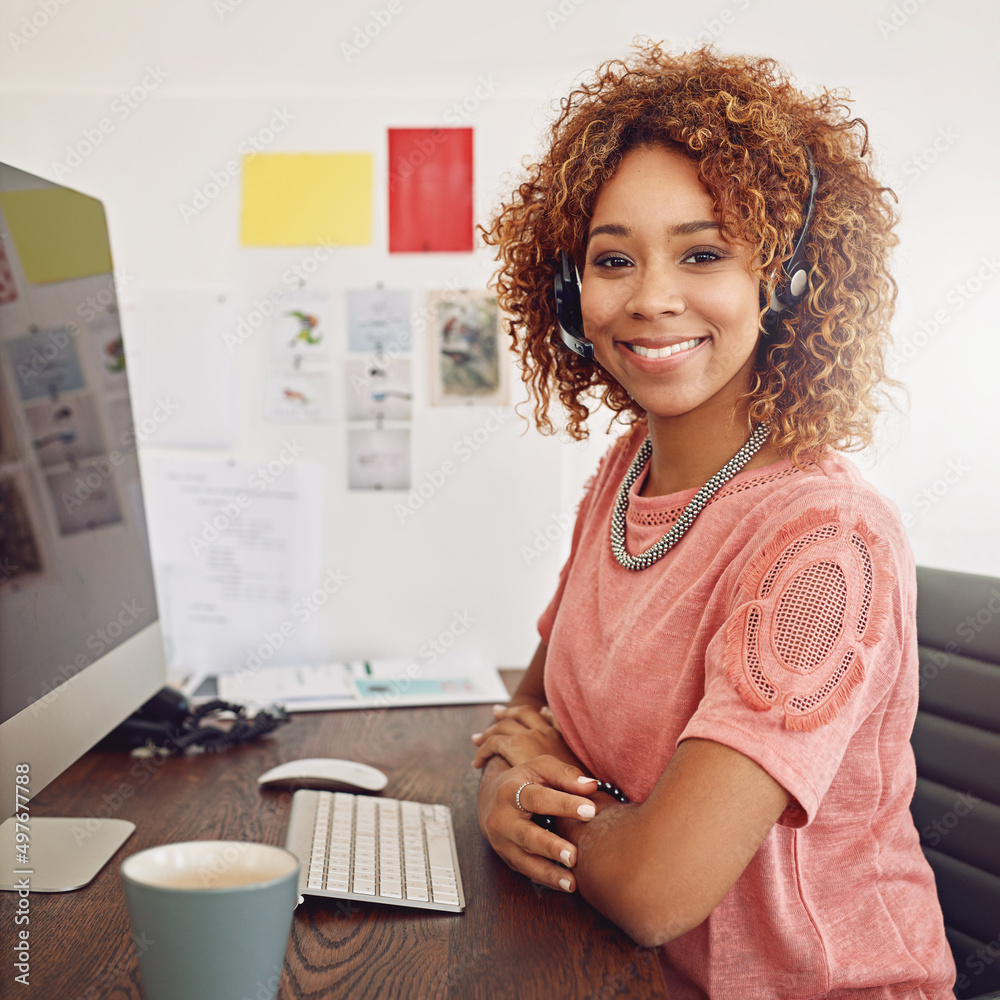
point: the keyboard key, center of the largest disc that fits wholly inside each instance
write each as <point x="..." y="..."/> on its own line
<point x="438" y="850"/>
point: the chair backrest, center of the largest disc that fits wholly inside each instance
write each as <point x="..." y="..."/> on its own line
<point x="956" y="741"/>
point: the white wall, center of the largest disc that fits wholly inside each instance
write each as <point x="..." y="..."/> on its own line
<point x="922" y="73"/>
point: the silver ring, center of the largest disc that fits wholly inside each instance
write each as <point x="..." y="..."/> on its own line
<point x="517" y="797"/>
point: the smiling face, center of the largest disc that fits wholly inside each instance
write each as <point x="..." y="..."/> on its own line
<point x="671" y="307"/>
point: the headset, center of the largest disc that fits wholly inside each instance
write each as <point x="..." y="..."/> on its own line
<point x="796" y="275"/>
<point x="567" y="289"/>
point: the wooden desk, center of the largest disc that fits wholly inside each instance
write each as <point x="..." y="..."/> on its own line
<point x="512" y="940"/>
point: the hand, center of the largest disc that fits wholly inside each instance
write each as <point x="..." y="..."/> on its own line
<point x="520" y="734"/>
<point x="549" y="787"/>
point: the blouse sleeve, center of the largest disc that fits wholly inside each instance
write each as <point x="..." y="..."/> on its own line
<point x="814" y="639"/>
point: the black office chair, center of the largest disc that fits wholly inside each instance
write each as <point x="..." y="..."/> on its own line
<point x="956" y="741"/>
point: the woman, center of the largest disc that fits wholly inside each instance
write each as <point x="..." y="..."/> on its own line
<point x="732" y="647"/>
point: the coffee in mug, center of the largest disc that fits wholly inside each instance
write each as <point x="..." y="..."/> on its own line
<point x="213" y="917"/>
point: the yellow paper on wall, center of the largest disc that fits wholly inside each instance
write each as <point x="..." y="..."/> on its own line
<point x="59" y="234"/>
<point x="306" y="199"/>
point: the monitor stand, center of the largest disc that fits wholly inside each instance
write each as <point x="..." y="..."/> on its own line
<point x="62" y="853"/>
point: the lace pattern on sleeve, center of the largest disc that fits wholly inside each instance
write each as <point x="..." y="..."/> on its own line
<point x="812" y="603"/>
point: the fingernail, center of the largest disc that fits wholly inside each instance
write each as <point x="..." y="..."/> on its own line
<point x="586" y="781"/>
<point x="586" y="811"/>
<point x="499" y="708"/>
<point x="566" y="857"/>
<point x="475" y="736"/>
<point x="564" y="884"/>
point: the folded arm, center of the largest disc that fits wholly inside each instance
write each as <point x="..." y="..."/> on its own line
<point x="657" y="869"/>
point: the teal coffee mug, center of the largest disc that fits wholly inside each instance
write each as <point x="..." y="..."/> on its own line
<point x="211" y="918"/>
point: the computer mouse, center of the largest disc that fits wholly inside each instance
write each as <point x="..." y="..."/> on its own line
<point x="327" y="774"/>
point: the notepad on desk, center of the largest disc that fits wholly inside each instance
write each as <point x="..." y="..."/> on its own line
<point x="384" y="683"/>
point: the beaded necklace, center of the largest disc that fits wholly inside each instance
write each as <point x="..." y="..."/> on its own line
<point x="690" y="512"/>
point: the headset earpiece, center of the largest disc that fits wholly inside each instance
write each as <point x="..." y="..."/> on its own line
<point x="796" y="268"/>
<point x="567" y="291"/>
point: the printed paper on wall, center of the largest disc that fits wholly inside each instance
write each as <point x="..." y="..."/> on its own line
<point x="430" y="190"/>
<point x="301" y="328"/>
<point x="307" y="199"/>
<point x="378" y="459"/>
<point x="378" y="319"/>
<point x="379" y="389"/>
<point x="466" y="361"/>
<point x="298" y="397"/>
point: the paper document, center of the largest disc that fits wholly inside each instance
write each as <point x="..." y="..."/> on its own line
<point x="182" y="373"/>
<point x="236" y="549"/>
<point x="365" y="684"/>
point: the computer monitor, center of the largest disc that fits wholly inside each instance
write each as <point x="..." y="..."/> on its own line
<point x="80" y="643"/>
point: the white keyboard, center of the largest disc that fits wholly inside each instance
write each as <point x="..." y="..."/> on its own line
<point x="377" y="849"/>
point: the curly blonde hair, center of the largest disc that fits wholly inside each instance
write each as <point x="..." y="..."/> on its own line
<point x="818" y="374"/>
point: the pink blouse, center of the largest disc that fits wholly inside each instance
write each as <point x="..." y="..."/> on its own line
<point x="781" y="625"/>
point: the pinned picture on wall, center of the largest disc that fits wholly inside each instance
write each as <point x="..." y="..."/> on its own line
<point x="378" y="459"/>
<point x="84" y="498"/>
<point x="20" y="549"/>
<point x="379" y="319"/>
<point x="467" y="364"/>
<point x="379" y="388"/>
<point x="301" y="328"/>
<point x="430" y="190"/>
<point x="66" y="430"/>
<point x="298" y="397"/>
<point x="45" y="363"/>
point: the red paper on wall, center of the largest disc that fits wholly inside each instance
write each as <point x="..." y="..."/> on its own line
<point x="430" y="190"/>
